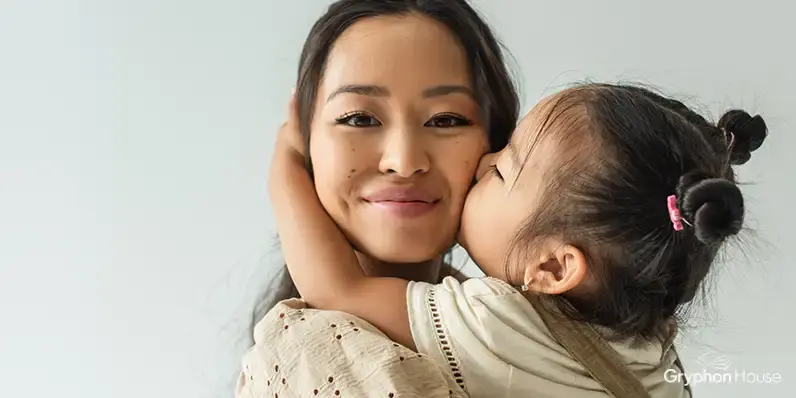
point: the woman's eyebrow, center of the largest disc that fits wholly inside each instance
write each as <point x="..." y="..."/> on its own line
<point x="360" y="89"/>
<point x="381" y="91"/>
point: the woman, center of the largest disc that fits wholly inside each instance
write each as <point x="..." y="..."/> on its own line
<point x="371" y="63"/>
<point x="397" y="102"/>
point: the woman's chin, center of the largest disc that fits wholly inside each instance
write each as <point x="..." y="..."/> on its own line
<point x="393" y="256"/>
<point x="404" y="251"/>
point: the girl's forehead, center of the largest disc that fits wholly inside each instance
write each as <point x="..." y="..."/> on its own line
<point x="552" y="113"/>
<point x="530" y="125"/>
<point x="550" y="136"/>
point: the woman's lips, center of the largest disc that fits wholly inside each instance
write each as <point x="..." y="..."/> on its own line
<point x="404" y="209"/>
<point x="403" y="201"/>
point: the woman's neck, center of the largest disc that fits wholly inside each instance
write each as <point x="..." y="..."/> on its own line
<point x="427" y="271"/>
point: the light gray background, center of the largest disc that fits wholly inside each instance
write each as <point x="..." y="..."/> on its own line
<point x="135" y="136"/>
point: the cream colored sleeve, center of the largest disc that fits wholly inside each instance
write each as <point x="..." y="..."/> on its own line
<point x="300" y="352"/>
<point x="448" y="325"/>
<point x="495" y="344"/>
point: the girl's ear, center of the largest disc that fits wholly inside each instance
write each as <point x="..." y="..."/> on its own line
<point x="558" y="272"/>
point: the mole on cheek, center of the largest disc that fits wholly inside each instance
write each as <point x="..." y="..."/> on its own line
<point x="351" y="174"/>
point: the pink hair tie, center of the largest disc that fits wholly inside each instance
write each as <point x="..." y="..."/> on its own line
<point x="674" y="213"/>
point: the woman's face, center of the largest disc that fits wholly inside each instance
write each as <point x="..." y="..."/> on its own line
<point x="396" y="137"/>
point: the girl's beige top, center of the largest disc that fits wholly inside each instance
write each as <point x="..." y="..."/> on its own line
<point x="480" y="338"/>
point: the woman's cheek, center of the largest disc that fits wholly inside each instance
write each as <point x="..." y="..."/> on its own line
<point x="459" y="173"/>
<point x="469" y="153"/>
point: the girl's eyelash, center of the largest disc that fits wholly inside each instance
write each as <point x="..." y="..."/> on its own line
<point x="494" y="170"/>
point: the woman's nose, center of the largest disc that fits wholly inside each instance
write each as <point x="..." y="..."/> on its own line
<point x="404" y="154"/>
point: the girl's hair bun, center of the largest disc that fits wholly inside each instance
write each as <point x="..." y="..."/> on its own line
<point x="746" y="131"/>
<point x="714" y="206"/>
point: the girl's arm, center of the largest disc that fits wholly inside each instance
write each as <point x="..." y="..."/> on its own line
<point x="320" y="259"/>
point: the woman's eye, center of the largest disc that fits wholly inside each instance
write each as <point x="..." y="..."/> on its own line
<point x="358" y="120"/>
<point x="447" y="121"/>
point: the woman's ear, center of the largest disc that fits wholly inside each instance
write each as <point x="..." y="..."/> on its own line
<point x="558" y="272"/>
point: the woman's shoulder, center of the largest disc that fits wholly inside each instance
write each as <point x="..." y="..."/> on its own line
<point x="271" y="318"/>
<point x="301" y="351"/>
<point x="295" y="313"/>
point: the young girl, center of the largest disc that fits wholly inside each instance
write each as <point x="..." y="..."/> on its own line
<point x="607" y="207"/>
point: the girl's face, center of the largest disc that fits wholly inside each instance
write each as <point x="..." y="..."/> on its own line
<point x="396" y="137"/>
<point x="509" y="189"/>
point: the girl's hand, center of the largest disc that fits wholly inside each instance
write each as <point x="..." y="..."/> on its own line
<point x="289" y="137"/>
<point x="289" y="157"/>
<point x="318" y="256"/>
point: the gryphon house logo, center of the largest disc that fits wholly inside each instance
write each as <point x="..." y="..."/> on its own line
<point x="715" y="360"/>
<point x="715" y="370"/>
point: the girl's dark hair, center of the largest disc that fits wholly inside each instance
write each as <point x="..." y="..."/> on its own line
<point x="612" y="206"/>
<point x="492" y="83"/>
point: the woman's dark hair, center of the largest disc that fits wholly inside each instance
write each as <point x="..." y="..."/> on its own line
<point x="494" y="89"/>
<point x="613" y="205"/>
<point x="492" y="83"/>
